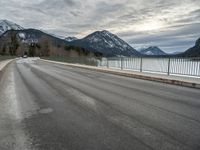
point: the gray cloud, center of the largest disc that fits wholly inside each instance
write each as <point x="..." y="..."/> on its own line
<point x="172" y="25"/>
<point x="70" y="2"/>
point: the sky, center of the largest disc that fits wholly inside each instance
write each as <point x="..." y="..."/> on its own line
<point x="172" y="25"/>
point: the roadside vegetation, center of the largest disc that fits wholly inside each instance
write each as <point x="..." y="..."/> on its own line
<point x="3" y="57"/>
<point x="46" y="47"/>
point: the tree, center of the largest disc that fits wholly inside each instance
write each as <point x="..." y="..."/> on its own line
<point x="44" y="46"/>
<point x="31" y="51"/>
<point x="13" y="44"/>
<point x="3" y="50"/>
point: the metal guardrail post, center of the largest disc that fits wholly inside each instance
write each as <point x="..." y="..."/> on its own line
<point x="122" y="63"/>
<point x="141" y="64"/>
<point x="168" y="70"/>
<point x="107" y="63"/>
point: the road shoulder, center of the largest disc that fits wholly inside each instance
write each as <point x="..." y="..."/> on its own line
<point x="3" y="65"/>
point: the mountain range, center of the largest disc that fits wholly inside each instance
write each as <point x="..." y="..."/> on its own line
<point x="102" y="42"/>
<point x="99" y="42"/>
<point x="152" y="50"/>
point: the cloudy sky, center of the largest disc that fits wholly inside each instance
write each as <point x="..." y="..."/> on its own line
<point x="173" y="25"/>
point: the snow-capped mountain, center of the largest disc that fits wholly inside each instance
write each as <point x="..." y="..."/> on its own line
<point x="106" y="43"/>
<point x="34" y="36"/>
<point x="102" y="42"/>
<point x="153" y="50"/>
<point x="70" y="39"/>
<point x="6" y="25"/>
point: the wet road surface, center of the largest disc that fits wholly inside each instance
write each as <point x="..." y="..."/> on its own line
<point x="46" y="106"/>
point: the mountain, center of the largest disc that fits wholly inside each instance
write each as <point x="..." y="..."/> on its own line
<point x="6" y="25"/>
<point x="153" y="50"/>
<point x="106" y="43"/>
<point x="176" y="53"/>
<point x="193" y="51"/>
<point x="22" y="40"/>
<point x="31" y="35"/>
<point x="37" y="43"/>
<point x="70" y="39"/>
<point x="99" y="42"/>
<point x="54" y="35"/>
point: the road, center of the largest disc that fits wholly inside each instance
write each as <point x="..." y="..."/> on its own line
<point x="46" y="106"/>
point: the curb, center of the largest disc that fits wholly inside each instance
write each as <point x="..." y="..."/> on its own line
<point x="7" y="62"/>
<point x="132" y="75"/>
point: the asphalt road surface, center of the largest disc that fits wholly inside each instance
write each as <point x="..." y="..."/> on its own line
<point x="45" y="106"/>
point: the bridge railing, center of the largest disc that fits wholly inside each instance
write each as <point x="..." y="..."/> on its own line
<point x="179" y="66"/>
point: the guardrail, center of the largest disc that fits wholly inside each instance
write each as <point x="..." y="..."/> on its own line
<point x="179" y="66"/>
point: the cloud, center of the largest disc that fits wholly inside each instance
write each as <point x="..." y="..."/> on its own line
<point x="70" y="2"/>
<point x="172" y="25"/>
